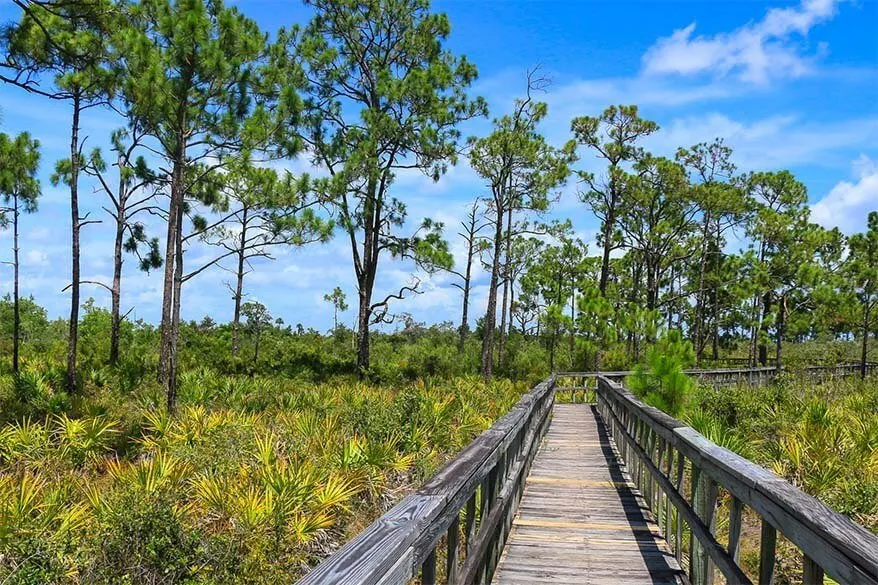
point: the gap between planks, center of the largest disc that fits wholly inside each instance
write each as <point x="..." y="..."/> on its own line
<point x="581" y="520"/>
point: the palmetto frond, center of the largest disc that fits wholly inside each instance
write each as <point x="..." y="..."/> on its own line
<point x="157" y="472"/>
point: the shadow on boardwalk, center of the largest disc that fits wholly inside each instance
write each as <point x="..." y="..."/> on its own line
<point x="581" y="520"/>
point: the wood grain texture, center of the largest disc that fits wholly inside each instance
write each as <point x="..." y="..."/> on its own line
<point x="411" y="529"/>
<point x="581" y="520"/>
<point x="846" y="551"/>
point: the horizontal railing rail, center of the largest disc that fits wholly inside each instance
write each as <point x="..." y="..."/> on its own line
<point x="454" y="528"/>
<point x="664" y="456"/>
<point x="459" y="520"/>
<point x="582" y="386"/>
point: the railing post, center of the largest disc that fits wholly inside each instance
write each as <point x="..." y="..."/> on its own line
<point x="485" y="498"/>
<point x="681" y="467"/>
<point x="470" y="522"/>
<point x="494" y="481"/>
<point x="767" y="548"/>
<point x="648" y="482"/>
<point x="669" y="463"/>
<point x="812" y="574"/>
<point x="735" y="516"/>
<point x="428" y="569"/>
<point x="452" y="541"/>
<point x="501" y="471"/>
<point x="640" y="430"/>
<point x="659" y="493"/>
<point x="704" y="501"/>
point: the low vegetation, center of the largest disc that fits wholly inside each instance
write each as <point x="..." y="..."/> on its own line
<point x="822" y="438"/>
<point x="251" y="481"/>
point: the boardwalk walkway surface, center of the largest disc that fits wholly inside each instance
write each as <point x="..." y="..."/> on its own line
<point x="581" y="519"/>
<point x="545" y="497"/>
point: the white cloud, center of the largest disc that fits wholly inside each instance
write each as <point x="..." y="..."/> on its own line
<point x="781" y="141"/>
<point x="755" y="52"/>
<point x="36" y="258"/>
<point x="848" y="203"/>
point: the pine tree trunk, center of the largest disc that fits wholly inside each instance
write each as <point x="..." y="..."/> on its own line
<point x="464" y="317"/>
<point x="510" y="327"/>
<point x="572" y="341"/>
<point x="16" y="316"/>
<point x="367" y="271"/>
<point x="239" y="284"/>
<point x="864" y="352"/>
<point x="766" y="310"/>
<point x="715" y="352"/>
<point x="699" y="299"/>
<point x="715" y="320"/>
<point x="116" y="290"/>
<point x="715" y="311"/>
<point x="174" y="210"/>
<point x="754" y="330"/>
<point x="651" y="287"/>
<point x="605" y="260"/>
<point x="173" y="346"/>
<point x="363" y="332"/>
<point x="633" y="299"/>
<point x="73" y="336"/>
<point x="491" y="313"/>
<point x="501" y="349"/>
<point x="781" y="327"/>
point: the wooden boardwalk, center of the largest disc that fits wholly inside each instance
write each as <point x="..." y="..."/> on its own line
<point x="540" y="499"/>
<point x="581" y="520"/>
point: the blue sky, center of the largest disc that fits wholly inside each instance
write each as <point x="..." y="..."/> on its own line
<point x="789" y="85"/>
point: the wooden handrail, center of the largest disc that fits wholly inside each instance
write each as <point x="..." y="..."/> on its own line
<point x="461" y="517"/>
<point x="659" y="450"/>
<point x="464" y="512"/>
<point x="845" y="368"/>
<point x="583" y="383"/>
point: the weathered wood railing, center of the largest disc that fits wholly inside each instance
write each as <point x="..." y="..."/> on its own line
<point x="459" y="520"/>
<point x="456" y="525"/>
<point x="664" y="456"/>
<point x="582" y="386"/>
<point x="840" y="370"/>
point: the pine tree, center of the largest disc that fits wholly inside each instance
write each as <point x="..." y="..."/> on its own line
<point x="19" y="188"/>
<point x="521" y="168"/>
<point x="190" y="70"/>
<point x="792" y="254"/>
<point x="471" y="227"/>
<point x="721" y="206"/>
<point x="339" y="303"/>
<point x="657" y="219"/>
<point x="131" y="195"/>
<point x="65" y="40"/>
<point x="613" y="137"/>
<point x="861" y="280"/>
<point x="382" y="95"/>
<point x="263" y="209"/>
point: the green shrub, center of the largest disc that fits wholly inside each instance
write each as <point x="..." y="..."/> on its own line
<point x="143" y="541"/>
<point x="662" y="382"/>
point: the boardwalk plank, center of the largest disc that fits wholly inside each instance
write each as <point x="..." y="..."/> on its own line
<point x="581" y="519"/>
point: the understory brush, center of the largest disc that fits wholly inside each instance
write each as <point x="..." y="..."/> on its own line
<point x="252" y="480"/>
<point x="821" y="437"/>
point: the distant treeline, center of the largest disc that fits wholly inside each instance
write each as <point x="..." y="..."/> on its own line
<point x="362" y="91"/>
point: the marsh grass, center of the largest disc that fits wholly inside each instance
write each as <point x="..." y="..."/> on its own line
<point x="253" y="480"/>
<point x="823" y="438"/>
